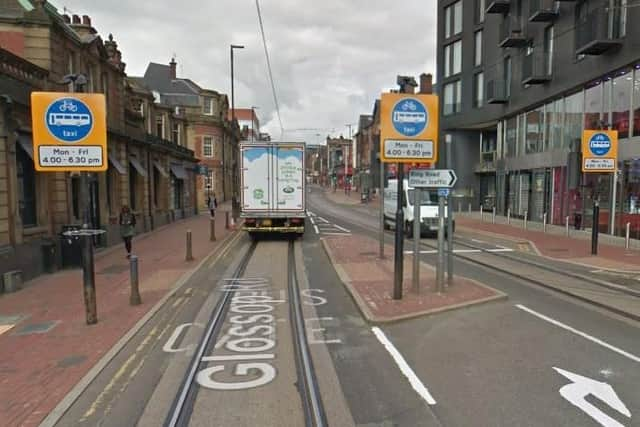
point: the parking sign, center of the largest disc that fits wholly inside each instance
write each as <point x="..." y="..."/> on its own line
<point x="69" y="132"/>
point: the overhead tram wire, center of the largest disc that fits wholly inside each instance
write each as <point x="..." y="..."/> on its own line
<point x="266" y="53"/>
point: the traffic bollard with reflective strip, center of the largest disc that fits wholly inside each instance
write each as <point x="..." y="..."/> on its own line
<point x="481" y="213"/>
<point x="566" y="224"/>
<point x="526" y="218"/>
<point x="508" y="215"/>
<point x="134" y="299"/>
<point x="493" y="216"/>
<point x="627" y="234"/>
<point x="189" y="256"/>
<point x="544" y="222"/>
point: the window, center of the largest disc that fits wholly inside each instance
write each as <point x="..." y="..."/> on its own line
<point x="478" y="49"/>
<point x="453" y="58"/>
<point x="507" y="76"/>
<point x="207" y="146"/>
<point x="619" y="27"/>
<point x="156" y="186"/>
<point x="534" y="142"/>
<point x="478" y="90"/>
<point x="480" y="10"/>
<point x="553" y="124"/>
<point x="453" y="19"/>
<point x="593" y="106"/>
<point x="620" y="103"/>
<point x="175" y="133"/>
<point x="207" y="107"/>
<point x="178" y="189"/>
<point x="548" y="49"/>
<point x="573" y="106"/>
<point x="133" y="178"/>
<point x="511" y="137"/>
<point x="453" y="98"/>
<point x="26" y="188"/>
<point x="160" y="126"/>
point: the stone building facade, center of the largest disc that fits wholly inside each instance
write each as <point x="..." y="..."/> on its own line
<point x="150" y="173"/>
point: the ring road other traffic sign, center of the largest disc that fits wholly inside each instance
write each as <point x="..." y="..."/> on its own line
<point x="432" y="178"/>
<point x="69" y="131"/>
<point x="409" y="128"/>
<point x="599" y="150"/>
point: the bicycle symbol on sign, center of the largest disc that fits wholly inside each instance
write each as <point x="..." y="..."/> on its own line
<point x="68" y="105"/>
<point x="409" y="106"/>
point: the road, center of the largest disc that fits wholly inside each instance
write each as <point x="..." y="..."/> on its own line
<point x="537" y="359"/>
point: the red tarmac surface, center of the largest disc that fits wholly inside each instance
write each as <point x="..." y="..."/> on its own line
<point x="370" y="281"/>
<point x="37" y="370"/>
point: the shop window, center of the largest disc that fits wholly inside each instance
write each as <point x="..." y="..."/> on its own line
<point x="26" y="188"/>
<point x="593" y="106"/>
<point x="573" y="106"/>
<point x="534" y="142"/>
<point x="620" y="103"/>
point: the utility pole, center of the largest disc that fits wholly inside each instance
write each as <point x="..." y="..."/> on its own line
<point x="234" y="206"/>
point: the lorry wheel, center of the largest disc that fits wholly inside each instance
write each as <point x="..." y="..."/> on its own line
<point x="386" y="225"/>
<point x="408" y="229"/>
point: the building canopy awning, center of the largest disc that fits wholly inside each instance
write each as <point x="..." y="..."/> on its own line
<point x="160" y="169"/>
<point x="116" y="164"/>
<point x="138" y="167"/>
<point x="178" y="171"/>
<point x="26" y="143"/>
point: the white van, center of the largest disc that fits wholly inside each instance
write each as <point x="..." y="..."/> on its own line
<point x="428" y="209"/>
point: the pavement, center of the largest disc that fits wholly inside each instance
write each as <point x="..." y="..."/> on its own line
<point x="560" y="248"/>
<point x="46" y="348"/>
<point x="340" y="197"/>
<point x="370" y="282"/>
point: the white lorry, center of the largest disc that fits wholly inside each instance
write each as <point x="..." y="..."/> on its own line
<point x="273" y="187"/>
<point x="428" y="209"/>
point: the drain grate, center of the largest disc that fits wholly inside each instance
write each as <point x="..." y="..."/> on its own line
<point x="36" y="328"/>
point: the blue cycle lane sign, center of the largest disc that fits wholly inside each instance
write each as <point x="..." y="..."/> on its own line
<point x="69" y="131"/>
<point x="410" y="117"/>
<point x="599" y="151"/>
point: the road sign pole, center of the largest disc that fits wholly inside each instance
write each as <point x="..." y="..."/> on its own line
<point x="382" y="180"/>
<point x="594" y="228"/>
<point x="440" y="265"/>
<point x="448" y="142"/>
<point x="88" y="272"/>
<point x="399" y="244"/>
<point x="416" y="239"/>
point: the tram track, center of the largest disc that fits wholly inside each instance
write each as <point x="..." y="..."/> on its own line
<point x="183" y="406"/>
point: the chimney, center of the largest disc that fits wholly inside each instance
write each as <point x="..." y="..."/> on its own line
<point x="173" y="64"/>
<point x="426" y="83"/>
<point x="66" y="19"/>
<point x="75" y="19"/>
<point x="86" y="20"/>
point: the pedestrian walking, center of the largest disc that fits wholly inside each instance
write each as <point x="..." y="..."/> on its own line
<point x="213" y="205"/>
<point x="127" y="227"/>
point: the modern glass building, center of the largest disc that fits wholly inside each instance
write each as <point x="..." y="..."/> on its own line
<point x="521" y="80"/>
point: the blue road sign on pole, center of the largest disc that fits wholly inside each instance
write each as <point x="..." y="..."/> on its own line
<point x="409" y="117"/>
<point x="69" y="119"/>
<point x="444" y="192"/>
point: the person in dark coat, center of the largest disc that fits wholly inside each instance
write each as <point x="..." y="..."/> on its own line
<point x="127" y="227"/>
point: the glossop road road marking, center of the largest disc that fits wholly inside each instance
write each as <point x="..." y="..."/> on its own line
<point x="406" y="370"/>
<point x="580" y="333"/>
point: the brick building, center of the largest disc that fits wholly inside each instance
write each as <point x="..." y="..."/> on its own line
<point x="38" y="47"/>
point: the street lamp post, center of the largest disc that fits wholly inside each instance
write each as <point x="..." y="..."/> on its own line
<point x="253" y="119"/>
<point x="234" y="202"/>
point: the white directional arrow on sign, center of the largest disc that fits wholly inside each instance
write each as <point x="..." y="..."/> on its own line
<point x="581" y="387"/>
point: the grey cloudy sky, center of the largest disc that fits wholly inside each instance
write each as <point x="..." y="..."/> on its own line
<point x="330" y="58"/>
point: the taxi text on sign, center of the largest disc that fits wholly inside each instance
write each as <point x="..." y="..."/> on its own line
<point x="408" y="128"/>
<point x="69" y="132"/>
<point x="599" y="151"/>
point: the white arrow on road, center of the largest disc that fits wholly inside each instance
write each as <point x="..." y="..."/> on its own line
<point x="581" y="387"/>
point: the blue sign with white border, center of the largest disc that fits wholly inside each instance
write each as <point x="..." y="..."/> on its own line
<point x="409" y="117"/>
<point x="444" y="192"/>
<point x="69" y="120"/>
<point x="600" y="144"/>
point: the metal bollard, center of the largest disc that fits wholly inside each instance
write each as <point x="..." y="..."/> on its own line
<point x="459" y="207"/>
<point x="212" y="230"/>
<point x="566" y="224"/>
<point x="469" y="207"/>
<point x="227" y="222"/>
<point x="544" y="222"/>
<point x="134" y="299"/>
<point x="481" y="213"/>
<point x="189" y="256"/>
<point x="526" y="217"/>
<point x="508" y="215"/>
<point x="493" y="216"/>
<point x="627" y="235"/>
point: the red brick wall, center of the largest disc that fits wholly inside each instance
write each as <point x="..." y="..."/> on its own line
<point x="13" y="41"/>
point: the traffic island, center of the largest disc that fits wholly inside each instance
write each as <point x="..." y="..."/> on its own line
<point x="369" y="280"/>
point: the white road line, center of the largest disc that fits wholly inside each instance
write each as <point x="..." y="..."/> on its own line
<point x="467" y="251"/>
<point x="422" y="252"/>
<point x="502" y="247"/>
<point x="404" y="367"/>
<point x="313" y="221"/>
<point x="310" y="213"/>
<point x="323" y="220"/>
<point x="580" y="333"/>
<point x="336" y="234"/>
<point x="316" y="229"/>
<point x="478" y="241"/>
<point x="499" y="250"/>
<point x="342" y="228"/>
